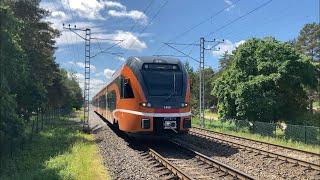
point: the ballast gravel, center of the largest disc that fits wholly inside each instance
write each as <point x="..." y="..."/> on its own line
<point x="121" y="159"/>
<point x="256" y="165"/>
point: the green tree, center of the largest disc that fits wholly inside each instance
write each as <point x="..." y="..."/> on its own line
<point x="12" y="70"/>
<point x="210" y="100"/>
<point x="308" y="41"/>
<point x="266" y="81"/>
<point x="30" y="78"/>
<point x="224" y="61"/>
<point x="194" y="89"/>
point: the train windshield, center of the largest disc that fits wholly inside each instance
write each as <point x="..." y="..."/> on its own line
<point x="163" y="79"/>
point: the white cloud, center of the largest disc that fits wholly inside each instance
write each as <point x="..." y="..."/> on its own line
<point x="57" y="18"/>
<point x="95" y="84"/>
<point x="82" y="65"/>
<point x="227" y="46"/>
<point x="134" y="14"/>
<point x="229" y="2"/>
<point x="122" y="58"/>
<point x="90" y="9"/>
<point x="108" y="73"/>
<point x="114" y="4"/>
<point x="52" y="6"/>
<point x="131" y="41"/>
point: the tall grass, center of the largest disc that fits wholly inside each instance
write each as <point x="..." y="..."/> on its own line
<point x="60" y="151"/>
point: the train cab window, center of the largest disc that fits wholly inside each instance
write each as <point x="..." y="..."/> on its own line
<point x="126" y="89"/>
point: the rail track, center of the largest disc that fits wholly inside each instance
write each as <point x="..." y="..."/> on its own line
<point x="267" y="149"/>
<point x="186" y="163"/>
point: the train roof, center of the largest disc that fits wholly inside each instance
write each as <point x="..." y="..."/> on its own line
<point x="136" y="62"/>
<point x="139" y="60"/>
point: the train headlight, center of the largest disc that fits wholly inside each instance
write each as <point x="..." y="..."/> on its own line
<point x="145" y="104"/>
<point x="184" y="104"/>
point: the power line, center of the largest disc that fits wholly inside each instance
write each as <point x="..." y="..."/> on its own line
<point x="106" y="39"/>
<point x="135" y="24"/>
<point x="105" y="50"/>
<point x="144" y="11"/>
<point x="152" y="19"/>
<point x="240" y="17"/>
<point x="190" y="44"/>
<point x="168" y="55"/>
<point x="234" y="20"/>
<point x="199" y="24"/>
<point x="181" y="52"/>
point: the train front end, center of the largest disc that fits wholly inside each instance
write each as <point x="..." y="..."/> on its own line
<point x="164" y="105"/>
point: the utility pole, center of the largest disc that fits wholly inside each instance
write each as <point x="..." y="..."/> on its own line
<point x="86" y="89"/>
<point x="87" y="78"/>
<point x="201" y="83"/>
<point x="201" y="75"/>
<point x="214" y="43"/>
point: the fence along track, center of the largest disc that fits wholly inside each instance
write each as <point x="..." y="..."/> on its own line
<point x="215" y="165"/>
<point x="258" y="142"/>
<point x="260" y="151"/>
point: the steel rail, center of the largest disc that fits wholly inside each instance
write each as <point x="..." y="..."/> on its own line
<point x="176" y="171"/>
<point x="260" y="142"/>
<point x="217" y="164"/>
<point x="260" y="151"/>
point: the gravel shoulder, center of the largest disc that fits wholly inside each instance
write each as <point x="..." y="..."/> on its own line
<point x="122" y="159"/>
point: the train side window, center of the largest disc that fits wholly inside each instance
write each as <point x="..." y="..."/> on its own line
<point x="111" y="101"/>
<point x="126" y="89"/>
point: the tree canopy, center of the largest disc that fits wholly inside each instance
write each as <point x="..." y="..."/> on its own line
<point x="265" y="81"/>
<point x="194" y="90"/>
<point x="30" y="77"/>
<point x="308" y="41"/>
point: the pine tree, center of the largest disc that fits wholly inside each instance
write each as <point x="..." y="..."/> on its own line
<point x="308" y="42"/>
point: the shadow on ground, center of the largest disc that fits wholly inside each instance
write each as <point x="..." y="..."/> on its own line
<point x="208" y="147"/>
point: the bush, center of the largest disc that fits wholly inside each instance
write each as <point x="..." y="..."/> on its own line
<point x="266" y="129"/>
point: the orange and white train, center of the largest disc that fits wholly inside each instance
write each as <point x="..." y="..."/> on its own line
<point x="147" y="96"/>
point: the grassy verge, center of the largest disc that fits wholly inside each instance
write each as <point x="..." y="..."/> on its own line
<point x="211" y="115"/>
<point x="229" y="128"/>
<point x="60" y="151"/>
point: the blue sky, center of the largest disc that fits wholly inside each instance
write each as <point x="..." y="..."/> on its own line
<point x="145" y="24"/>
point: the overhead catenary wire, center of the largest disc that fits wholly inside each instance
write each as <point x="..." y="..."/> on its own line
<point x="106" y="50"/>
<point x="181" y="52"/>
<point x="144" y="11"/>
<point x="149" y="23"/>
<point x="233" y="21"/>
<point x="199" y="24"/>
